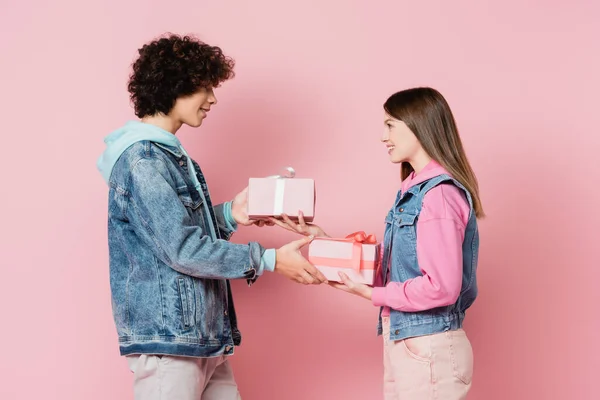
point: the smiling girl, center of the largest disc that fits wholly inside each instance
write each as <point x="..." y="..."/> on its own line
<point x="430" y="252"/>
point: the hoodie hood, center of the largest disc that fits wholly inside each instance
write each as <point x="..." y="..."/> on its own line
<point x="121" y="139"/>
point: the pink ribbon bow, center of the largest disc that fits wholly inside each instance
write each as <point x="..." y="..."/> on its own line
<point x="358" y="239"/>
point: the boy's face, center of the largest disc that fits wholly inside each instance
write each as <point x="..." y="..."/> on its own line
<point x="191" y="110"/>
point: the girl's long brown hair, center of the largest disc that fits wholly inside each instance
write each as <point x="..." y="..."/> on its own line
<point x="428" y="115"/>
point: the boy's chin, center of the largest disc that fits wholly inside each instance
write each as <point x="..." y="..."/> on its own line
<point x="194" y="124"/>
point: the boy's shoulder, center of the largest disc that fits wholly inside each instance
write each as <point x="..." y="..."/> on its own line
<point x="142" y="150"/>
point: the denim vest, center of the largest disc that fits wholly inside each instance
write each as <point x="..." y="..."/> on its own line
<point x="400" y="255"/>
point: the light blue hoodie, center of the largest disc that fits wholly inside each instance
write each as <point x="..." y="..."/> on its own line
<point x="134" y="131"/>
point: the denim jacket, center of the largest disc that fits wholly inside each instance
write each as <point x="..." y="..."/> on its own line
<point x="170" y="262"/>
<point x="400" y="254"/>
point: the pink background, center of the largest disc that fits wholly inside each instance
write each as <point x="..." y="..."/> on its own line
<point x="311" y="79"/>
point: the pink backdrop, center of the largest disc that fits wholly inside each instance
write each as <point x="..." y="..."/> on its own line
<point x="311" y="78"/>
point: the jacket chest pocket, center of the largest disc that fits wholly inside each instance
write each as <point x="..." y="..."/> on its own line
<point x="193" y="205"/>
<point x="189" y="201"/>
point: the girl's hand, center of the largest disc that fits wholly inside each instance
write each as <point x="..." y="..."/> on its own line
<point x="350" y="286"/>
<point x="301" y="227"/>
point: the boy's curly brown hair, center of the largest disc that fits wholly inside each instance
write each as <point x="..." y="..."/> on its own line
<point x="172" y="67"/>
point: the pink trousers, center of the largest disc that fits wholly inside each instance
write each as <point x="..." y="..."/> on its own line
<point x="429" y="367"/>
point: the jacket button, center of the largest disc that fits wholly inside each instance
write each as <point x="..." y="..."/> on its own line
<point x="225" y="312"/>
<point x="401" y="210"/>
<point x="181" y="163"/>
<point x="227" y="349"/>
<point x="396" y="332"/>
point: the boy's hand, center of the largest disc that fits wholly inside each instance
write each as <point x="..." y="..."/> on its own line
<point x="239" y="213"/>
<point x="291" y="264"/>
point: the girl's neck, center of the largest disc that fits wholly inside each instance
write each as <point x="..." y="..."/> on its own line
<point x="419" y="162"/>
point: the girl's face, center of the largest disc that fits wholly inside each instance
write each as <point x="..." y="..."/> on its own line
<point x="401" y="142"/>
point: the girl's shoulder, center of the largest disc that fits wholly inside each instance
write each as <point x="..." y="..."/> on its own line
<point x="445" y="201"/>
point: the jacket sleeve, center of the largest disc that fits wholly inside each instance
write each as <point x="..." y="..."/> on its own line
<point x="225" y="222"/>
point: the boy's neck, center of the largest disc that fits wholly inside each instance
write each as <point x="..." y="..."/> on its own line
<point x="164" y="122"/>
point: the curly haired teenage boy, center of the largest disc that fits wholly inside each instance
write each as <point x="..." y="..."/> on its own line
<point x="170" y="259"/>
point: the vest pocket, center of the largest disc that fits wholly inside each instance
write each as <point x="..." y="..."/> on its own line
<point x="406" y="232"/>
<point x="404" y="219"/>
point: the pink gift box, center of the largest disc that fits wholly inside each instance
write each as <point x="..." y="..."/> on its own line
<point x="357" y="256"/>
<point x="273" y="196"/>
